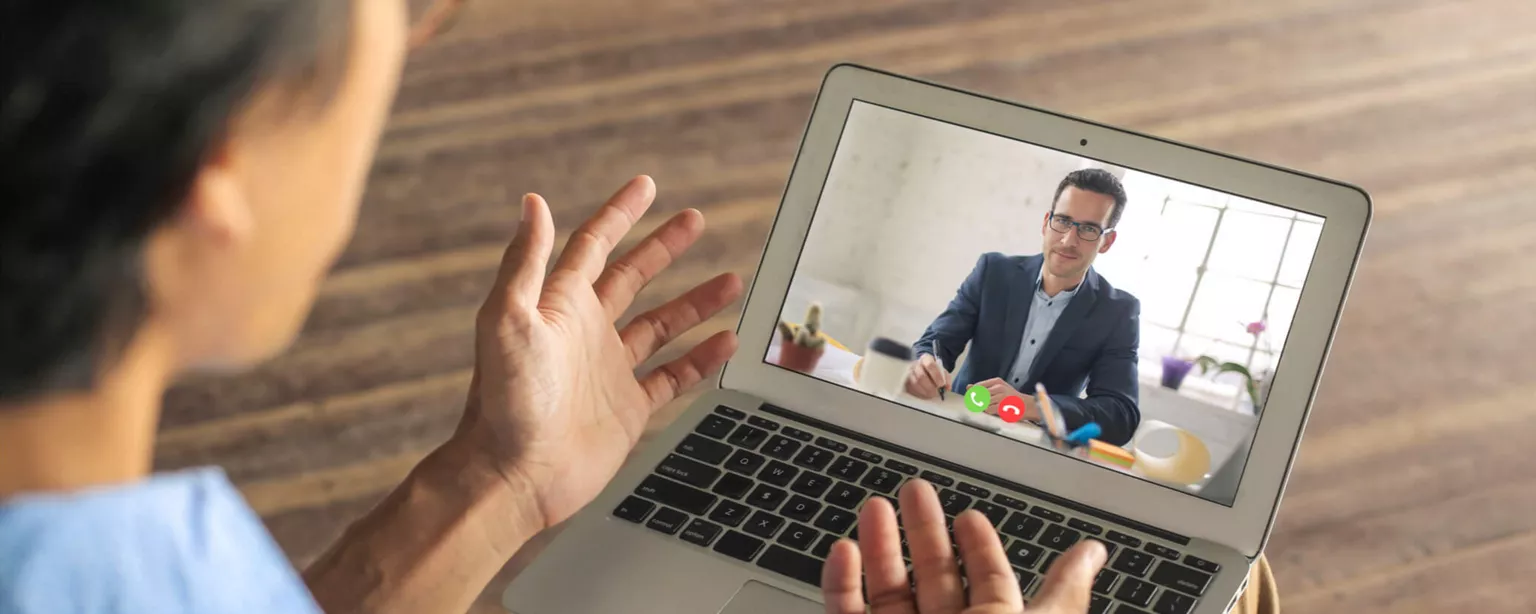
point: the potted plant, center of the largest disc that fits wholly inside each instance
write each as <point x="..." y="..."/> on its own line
<point x="1257" y="386"/>
<point x="801" y="346"/>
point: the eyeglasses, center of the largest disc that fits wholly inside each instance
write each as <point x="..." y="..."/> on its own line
<point x="1085" y="231"/>
<point x="438" y="17"/>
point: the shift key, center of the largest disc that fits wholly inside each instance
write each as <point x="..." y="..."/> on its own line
<point x="688" y="471"/>
<point x="680" y="496"/>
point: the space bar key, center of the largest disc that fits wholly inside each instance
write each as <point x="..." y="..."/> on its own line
<point x="792" y="564"/>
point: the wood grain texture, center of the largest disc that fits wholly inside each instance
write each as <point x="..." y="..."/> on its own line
<point x="1412" y="493"/>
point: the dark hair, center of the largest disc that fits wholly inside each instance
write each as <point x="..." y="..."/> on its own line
<point x="107" y="111"/>
<point x="1095" y="180"/>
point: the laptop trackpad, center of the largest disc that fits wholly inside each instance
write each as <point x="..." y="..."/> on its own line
<point x="758" y="598"/>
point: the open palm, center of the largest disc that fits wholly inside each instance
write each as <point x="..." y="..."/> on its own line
<point x="556" y="402"/>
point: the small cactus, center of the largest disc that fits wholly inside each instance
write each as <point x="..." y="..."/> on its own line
<point x="807" y="335"/>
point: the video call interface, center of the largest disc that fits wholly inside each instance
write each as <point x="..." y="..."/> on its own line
<point x="1122" y="318"/>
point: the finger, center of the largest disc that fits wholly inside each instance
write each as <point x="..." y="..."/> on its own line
<point x="587" y="251"/>
<point x="653" y="329"/>
<point x="922" y="378"/>
<point x="931" y="366"/>
<point x="623" y="279"/>
<point x="520" y="279"/>
<point x="884" y="571"/>
<point x="986" y="564"/>
<point x="1070" y="579"/>
<point x="933" y="560"/>
<point x="841" y="588"/>
<point x="671" y="379"/>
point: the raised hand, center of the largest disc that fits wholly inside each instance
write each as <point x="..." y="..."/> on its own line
<point x="939" y="590"/>
<point x="556" y="403"/>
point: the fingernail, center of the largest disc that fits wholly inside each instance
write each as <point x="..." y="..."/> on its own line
<point x="527" y="204"/>
<point x="1097" y="554"/>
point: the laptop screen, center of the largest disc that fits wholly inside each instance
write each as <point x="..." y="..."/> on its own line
<point x="1124" y="318"/>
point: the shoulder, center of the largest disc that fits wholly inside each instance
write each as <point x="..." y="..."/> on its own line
<point x="995" y="262"/>
<point x="1109" y="294"/>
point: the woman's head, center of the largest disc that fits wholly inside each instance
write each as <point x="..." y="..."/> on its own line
<point x="186" y="165"/>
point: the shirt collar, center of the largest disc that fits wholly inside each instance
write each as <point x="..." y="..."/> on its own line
<point x="1065" y="294"/>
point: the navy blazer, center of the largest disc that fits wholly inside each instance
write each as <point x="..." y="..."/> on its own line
<point x="1093" y="345"/>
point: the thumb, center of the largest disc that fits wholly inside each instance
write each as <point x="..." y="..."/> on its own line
<point x="1070" y="580"/>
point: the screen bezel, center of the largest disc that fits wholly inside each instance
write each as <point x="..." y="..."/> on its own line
<point x="1245" y="524"/>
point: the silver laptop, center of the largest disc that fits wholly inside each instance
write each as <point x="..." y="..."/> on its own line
<point x="917" y="220"/>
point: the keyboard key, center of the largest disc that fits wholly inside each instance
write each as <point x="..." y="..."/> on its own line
<point x="701" y="532"/>
<point x="796" y="433"/>
<point x="1105" y="581"/>
<point x="730" y="413"/>
<point x="1007" y="501"/>
<point x="865" y="455"/>
<point x="715" y="426"/>
<point x="813" y="457"/>
<point x="736" y="545"/>
<point x="687" y="471"/>
<point x="835" y="519"/>
<point x="1058" y="537"/>
<point x="763" y="524"/>
<point x="953" y="502"/>
<point x="973" y="490"/>
<point x="729" y="513"/>
<point x="744" y="462"/>
<point x="1085" y="526"/>
<point x="1135" y="592"/>
<point x="1098" y="604"/>
<point x="1201" y="564"/>
<point x="1133" y="562"/>
<point x="994" y="512"/>
<point x="799" y="536"/>
<point x="847" y="468"/>
<point x="1125" y="609"/>
<point x="1174" y="603"/>
<point x="1162" y="551"/>
<point x="747" y="436"/>
<point x="633" y="509"/>
<point x="777" y="474"/>
<point x="667" y="520"/>
<point x="766" y="497"/>
<point x="1022" y="527"/>
<point x="706" y="450"/>
<point x="881" y="481"/>
<point x="1024" y="554"/>
<point x="824" y="547"/>
<point x="1123" y="539"/>
<point x="811" y="484"/>
<point x="1181" y="578"/>
<point x="835" y="446"/>
<point x="1050" y="557"/>
<point x="761" y="422"/>
<point x="1025" y="578"/>
<point x="846" y="496"/>
<point x="793" y="564"/>
<point x="781" y="447"/>
<point x="900" y="467"/>
<point x="800" y="508"/>
<point x="733" y="486"/>
<point x="937" y="479"/>
<point x="1051" y="515"/>
<point x="681" y="496"/>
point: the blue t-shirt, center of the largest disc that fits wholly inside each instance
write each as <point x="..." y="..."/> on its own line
<point x="177" y="542"/>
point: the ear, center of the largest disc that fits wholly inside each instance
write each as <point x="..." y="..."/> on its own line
<point x="1045" y="222"/>
<point x="217" y="211"/>
<point x="1109" y="239"/>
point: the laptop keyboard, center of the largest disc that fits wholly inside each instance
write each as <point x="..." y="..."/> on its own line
<point x="778" y="496"/>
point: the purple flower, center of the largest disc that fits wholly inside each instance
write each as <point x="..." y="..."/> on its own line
<point x="1257" y="328"/>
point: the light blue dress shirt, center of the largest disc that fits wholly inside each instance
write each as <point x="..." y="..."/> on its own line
<point x="175" y="543"/>
<point x="1043" y="312"/>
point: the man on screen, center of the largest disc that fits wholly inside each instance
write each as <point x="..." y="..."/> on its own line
<point x="1047" y="319"/>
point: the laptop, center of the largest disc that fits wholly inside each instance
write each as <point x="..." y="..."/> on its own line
<point x="917" y="219"/>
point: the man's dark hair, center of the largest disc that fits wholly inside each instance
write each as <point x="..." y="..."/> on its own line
<point x="107" y="110"/>
<point x="1099" y="181"/>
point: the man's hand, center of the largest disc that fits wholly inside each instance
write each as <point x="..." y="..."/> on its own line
<point x="1000" y="389"/>
<point x="925" y="377"/>
<point x="993" y="587"/>
<point x="555" y="403"/>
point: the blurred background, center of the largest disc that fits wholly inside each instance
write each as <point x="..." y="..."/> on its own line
<point x="1411" y="491"/>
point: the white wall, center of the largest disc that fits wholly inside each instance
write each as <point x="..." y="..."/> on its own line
<point x="909" y="206"/>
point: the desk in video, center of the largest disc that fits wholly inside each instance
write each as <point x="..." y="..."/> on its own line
<point x="946" y="266"/>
